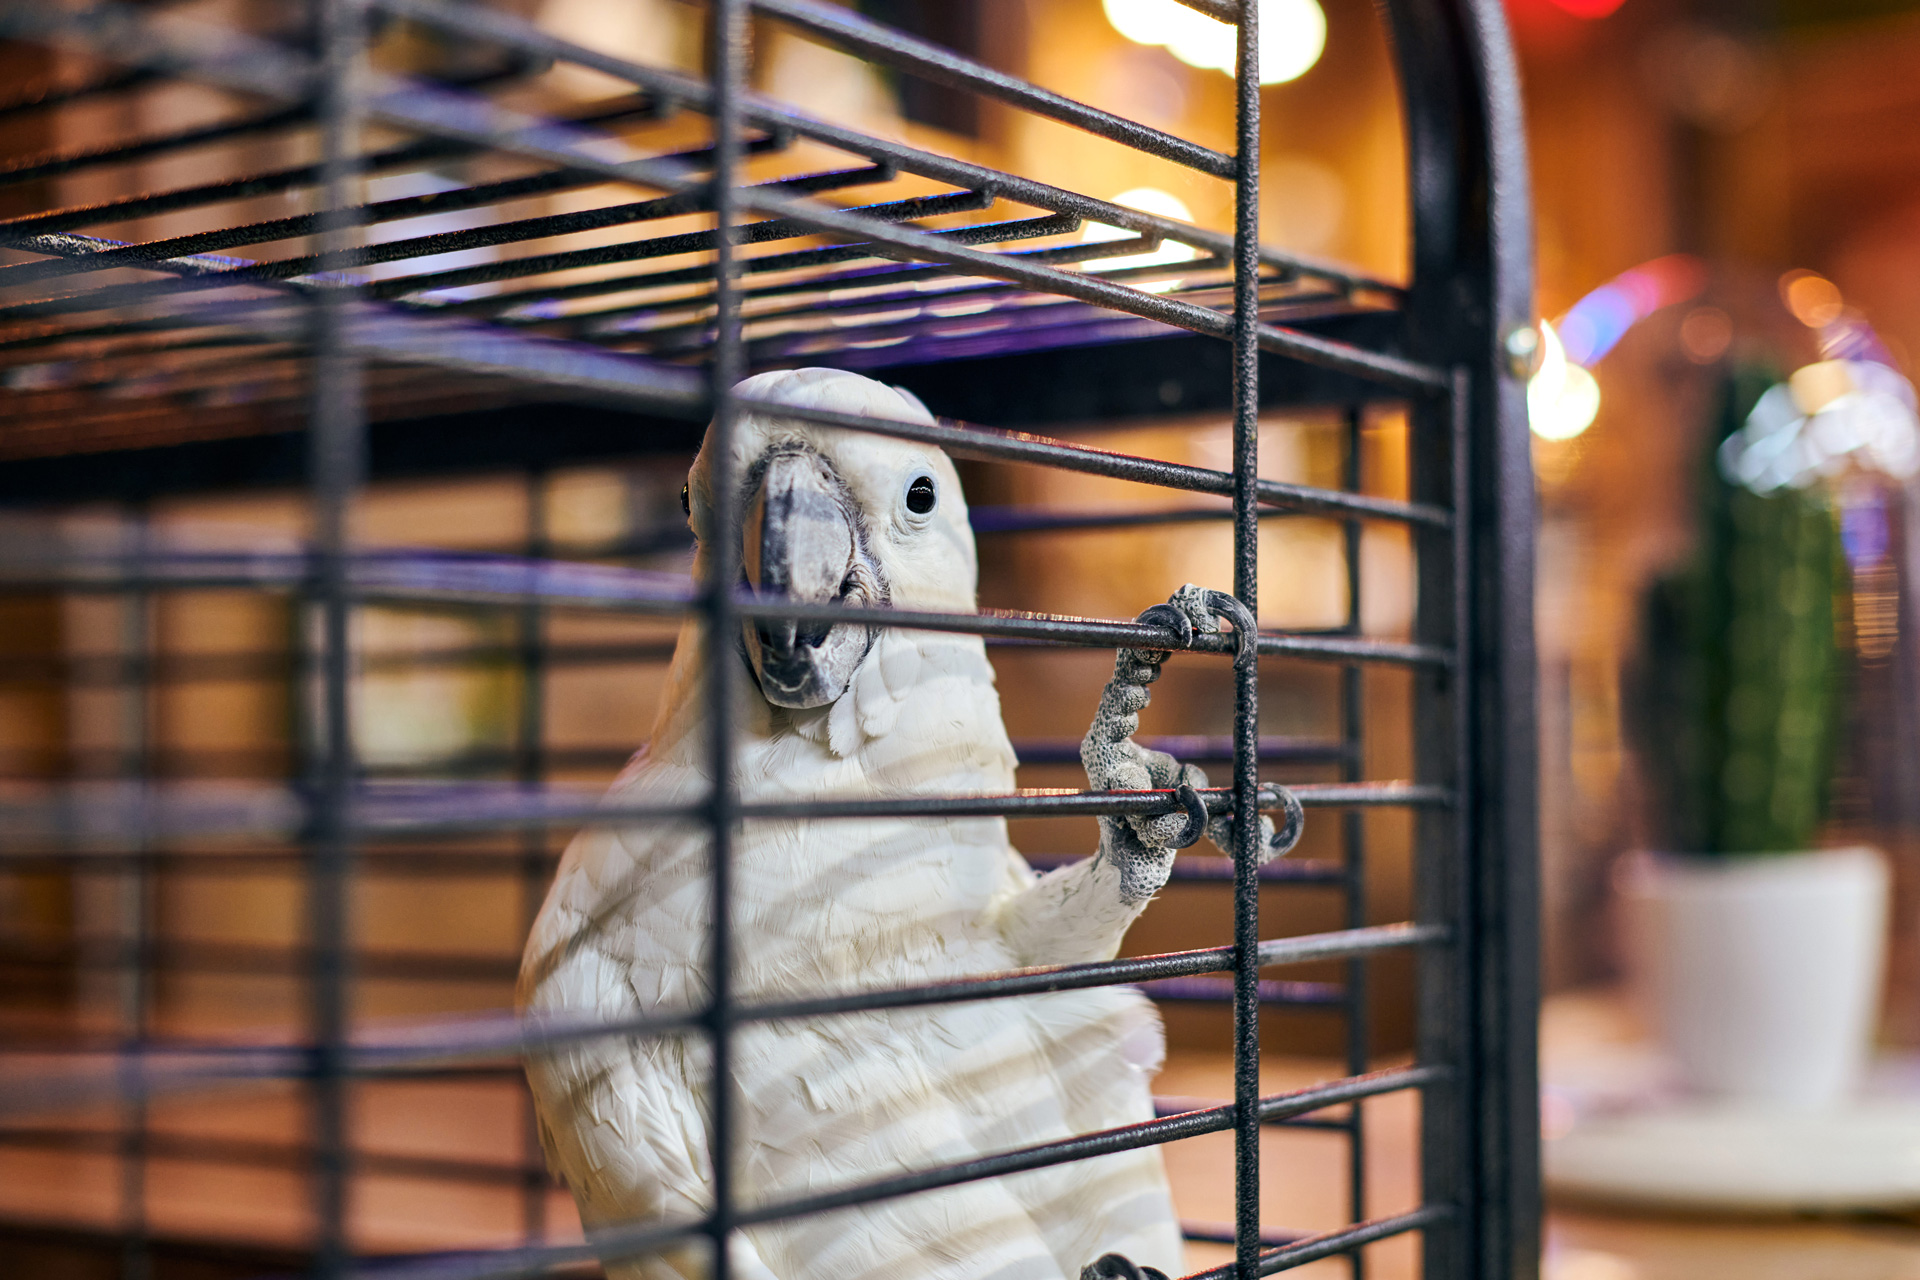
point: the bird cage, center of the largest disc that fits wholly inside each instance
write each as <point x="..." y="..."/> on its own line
<point x="281" y="324"/>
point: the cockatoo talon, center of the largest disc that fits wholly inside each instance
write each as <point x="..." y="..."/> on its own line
<point x="1114" y="762"/>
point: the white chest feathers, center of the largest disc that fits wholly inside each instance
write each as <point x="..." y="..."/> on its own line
<point x="920" y="717"/>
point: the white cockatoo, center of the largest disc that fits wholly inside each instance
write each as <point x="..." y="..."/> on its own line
<point x="829" y="906"/>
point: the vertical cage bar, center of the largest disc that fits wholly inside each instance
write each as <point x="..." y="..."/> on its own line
<point x="337" y="443"/>
<point x="1465" y="1142"/>
<point x="1444" y="977"/>
<point x="136" y="897"/>
<point x="1246" y="716"/>
<point x="1444" y="992"/>
<point x="530" y="768"/>
<point x="728" y="54"/>
<point x="1354" y="837"/>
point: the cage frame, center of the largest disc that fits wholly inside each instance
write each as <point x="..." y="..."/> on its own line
<point x="1474" y="930"/>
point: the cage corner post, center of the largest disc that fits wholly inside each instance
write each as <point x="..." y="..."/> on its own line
<point x="1478" y="865"/>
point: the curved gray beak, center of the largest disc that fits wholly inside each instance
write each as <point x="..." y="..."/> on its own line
<point x="800" y="544"/>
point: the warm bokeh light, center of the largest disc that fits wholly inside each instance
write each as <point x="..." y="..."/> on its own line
<point x="1292" y="34"/>
<point x="1705" y="334"/>
<point x="1147" y="200"/>
<point x="1562" y="397"/>
<point x="1815" y="387"/>
<point x="1814" y="300"/>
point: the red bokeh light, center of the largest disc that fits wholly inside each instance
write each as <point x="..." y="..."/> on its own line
<point x="1554" y="29"/>
<point x="1588" y="8"/>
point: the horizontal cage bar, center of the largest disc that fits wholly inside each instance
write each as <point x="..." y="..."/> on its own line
<point x="618" y="1243"/>
<point x="144" y="1071"/>
<point x="1344" y="1240"/>
<point x="104" y="813"/>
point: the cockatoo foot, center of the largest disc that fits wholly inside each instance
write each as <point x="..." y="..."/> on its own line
<point x="1114" y="1266"/>
<point x="1143" y="846"/>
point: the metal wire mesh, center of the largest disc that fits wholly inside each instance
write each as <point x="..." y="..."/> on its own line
<point x="341" y="326"/>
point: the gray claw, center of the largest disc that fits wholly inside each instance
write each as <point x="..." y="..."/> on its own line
<point x="1166" y="615"/>
<point x="1196" y="817"/>
<point x="1289" y="833"/>
<point x="1246" y="631"/>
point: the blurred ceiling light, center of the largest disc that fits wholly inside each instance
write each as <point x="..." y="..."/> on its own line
<point x="1292" y="34"/>
<point x="1562" y="397"/>
<point x="1594" y="324"/>
<point x="1814" y="300"/>
<point x="1147" y="200"/>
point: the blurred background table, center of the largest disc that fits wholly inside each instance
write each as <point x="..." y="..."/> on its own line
<point x="1598" y="1242"/>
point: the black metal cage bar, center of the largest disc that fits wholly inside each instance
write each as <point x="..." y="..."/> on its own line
<point x="332" y="330"/>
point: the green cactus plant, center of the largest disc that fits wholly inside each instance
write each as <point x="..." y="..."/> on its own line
<point x="1739" y="691"/>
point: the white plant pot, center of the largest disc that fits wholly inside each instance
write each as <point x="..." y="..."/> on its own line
<point x="1761" y="972"/>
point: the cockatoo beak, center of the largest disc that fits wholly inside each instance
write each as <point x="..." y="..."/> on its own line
<point x="802" y="542"/>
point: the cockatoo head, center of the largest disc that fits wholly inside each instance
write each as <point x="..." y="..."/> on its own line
<point x="835" y="515"/>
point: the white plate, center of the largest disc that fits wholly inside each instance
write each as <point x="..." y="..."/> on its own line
<point x="1704" y="1156"/>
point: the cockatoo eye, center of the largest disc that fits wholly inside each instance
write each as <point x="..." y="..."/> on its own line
<point x="922" y="496"/>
